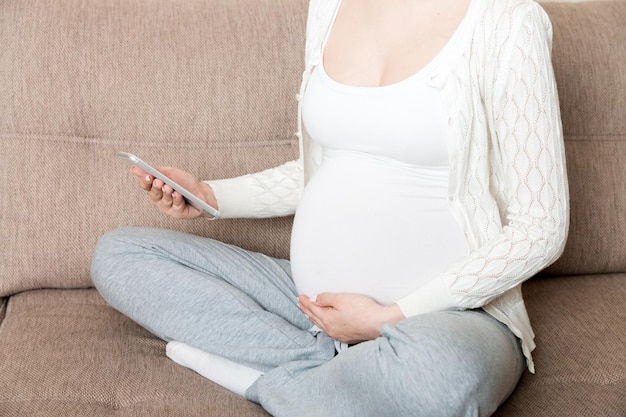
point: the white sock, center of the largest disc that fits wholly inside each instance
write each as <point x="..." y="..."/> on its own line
<point x="231" y="375"/>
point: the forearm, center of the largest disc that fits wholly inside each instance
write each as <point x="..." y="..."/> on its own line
<point x="432" y="297"/>
<point x="270" y="193"/>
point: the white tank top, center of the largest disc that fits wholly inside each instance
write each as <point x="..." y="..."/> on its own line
<point x="374" y="218"/>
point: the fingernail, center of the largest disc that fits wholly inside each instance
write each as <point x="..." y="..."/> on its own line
<point x="148" y="179"/>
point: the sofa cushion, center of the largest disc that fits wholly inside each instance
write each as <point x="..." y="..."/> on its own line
<point x="208" y="86"/>
<point x="80" y="357"/>
<point x="66" y="352"/>
<point x="589" y="58"/>
<point x="580" y="326"/>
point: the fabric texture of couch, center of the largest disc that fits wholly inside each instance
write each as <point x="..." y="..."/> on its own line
<point x="209" y="86"/>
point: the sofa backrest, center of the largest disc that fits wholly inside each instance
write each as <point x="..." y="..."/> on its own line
<point x="209" y="86"/>
<point x="589" y="58"/>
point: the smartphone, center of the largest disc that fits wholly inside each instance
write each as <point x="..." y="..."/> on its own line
<point x="189" y="197"/>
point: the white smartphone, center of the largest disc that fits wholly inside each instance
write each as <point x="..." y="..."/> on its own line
<point x="189" y="197"/>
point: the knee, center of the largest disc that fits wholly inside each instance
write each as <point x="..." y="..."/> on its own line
<point x="446" y="369"/>
<point x="108" y="257"/>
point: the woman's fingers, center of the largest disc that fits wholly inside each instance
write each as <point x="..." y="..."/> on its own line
<point x="166" y="204"/>
<point x="155" y="193"/>
<point x="166" y="199"/>
<point x="145" y="179"/>
<point x="170" y="202"/>
<point x="178" y="202"/>
<point x="312" y="311"/>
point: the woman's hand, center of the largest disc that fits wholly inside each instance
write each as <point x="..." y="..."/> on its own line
<point x="170" y="202"/>
<point x="349" y="318"/>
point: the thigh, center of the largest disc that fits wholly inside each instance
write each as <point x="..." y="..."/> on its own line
<point x="219" y="298"/>
<point x="443" y="364"/>
<point x="136" y="251"/>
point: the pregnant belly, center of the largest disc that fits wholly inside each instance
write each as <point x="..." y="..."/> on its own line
<point x="372" y="226"/>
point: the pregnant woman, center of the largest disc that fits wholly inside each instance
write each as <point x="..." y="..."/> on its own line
<point x="430" y="185"/>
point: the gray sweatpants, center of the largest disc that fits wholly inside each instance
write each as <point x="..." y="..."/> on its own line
<point x="242" y="306"/>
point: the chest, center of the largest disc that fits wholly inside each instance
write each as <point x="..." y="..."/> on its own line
<point x="375" y="43"/>
<point x="402" y="121"/>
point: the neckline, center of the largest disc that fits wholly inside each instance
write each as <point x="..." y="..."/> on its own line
<point x="420" y="73"/>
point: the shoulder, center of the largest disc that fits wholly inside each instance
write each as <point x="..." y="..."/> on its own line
<point x="505" y="22"/>
<point x="320" y="15"/>
<point x="508" y="6"/>
<point x="321" y="12"/>
<point x="316" y="5"/>
<point x="505" y="15"/>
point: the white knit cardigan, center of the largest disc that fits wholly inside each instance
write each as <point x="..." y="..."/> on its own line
<point x="507" y="186"/>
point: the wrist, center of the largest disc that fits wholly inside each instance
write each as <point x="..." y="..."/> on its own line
<point x="208" y="194"/>
<point x="391" y="314"/>
<point x="434" y="296"/>
<point x="394" y="314"/>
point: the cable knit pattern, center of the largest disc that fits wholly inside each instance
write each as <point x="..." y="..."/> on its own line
<point x="508" y="186"/>
<point x="277" y="191"/>
<point x="273" y="192"/>
<point x="522" y="165"/>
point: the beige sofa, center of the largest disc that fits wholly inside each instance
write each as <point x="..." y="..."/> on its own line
<point x="209" y="86"/>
